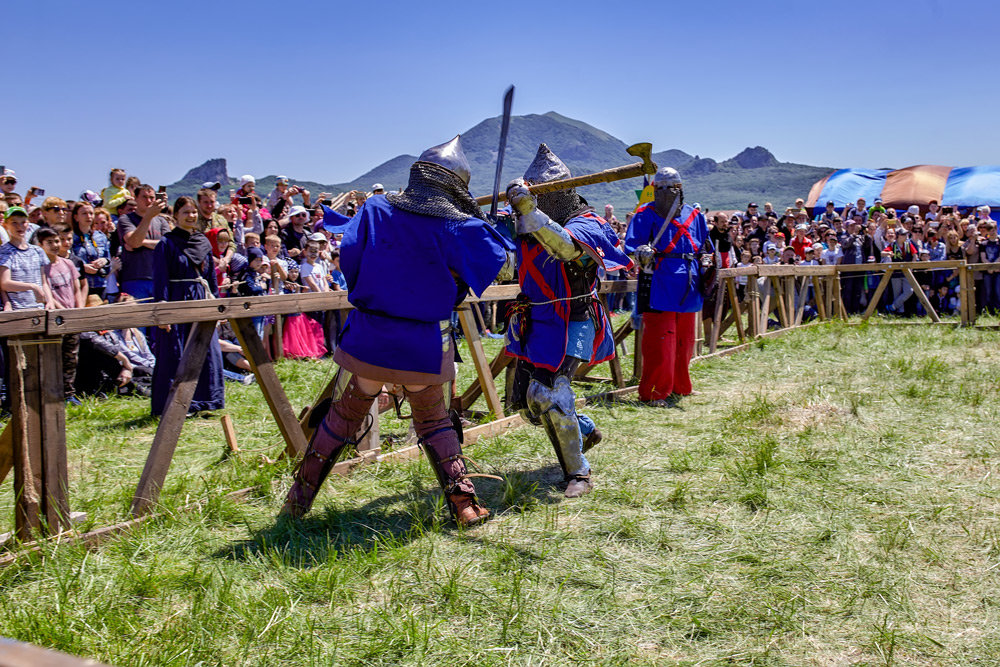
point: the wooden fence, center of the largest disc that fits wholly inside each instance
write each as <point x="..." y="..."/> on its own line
<point x="34" y="442"/>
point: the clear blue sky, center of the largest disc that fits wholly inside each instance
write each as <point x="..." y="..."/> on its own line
<point x="326" y="90"/>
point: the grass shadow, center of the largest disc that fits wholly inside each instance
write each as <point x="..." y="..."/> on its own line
<point x="329" y="533"/>
<point x="127" y="425"/>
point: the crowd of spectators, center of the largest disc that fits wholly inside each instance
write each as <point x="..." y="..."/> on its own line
<point x="860" y="234"/>
<point x="102" y="248"/>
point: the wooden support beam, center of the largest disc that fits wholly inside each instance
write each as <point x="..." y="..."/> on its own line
<point x="753" y="299"/>
<point x="800" y="299"/>
<point x="765" y="309"/>
<point x="737" y="312"/>
<point x="270" y="385"/>
<point x="53" y="422"/>
<point x="161" y="453"/>
<point x="778" y="289"/>
<point x="229" y="433"/>
<point x="475" y="390"/>
<point x="713" y="341"/>
<point x="637" y="355"/>
<point x="29" y="488"/>
<point x="370" y="441"/>
<point x="883" y="284"/>
<point x="966" y="296"/>
<point x="912" y="279"/>
<point x="822" y="288"/>
<point x="479" y="360"/>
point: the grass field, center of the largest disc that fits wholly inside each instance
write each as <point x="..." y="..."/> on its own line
<point x="831" y="497"/>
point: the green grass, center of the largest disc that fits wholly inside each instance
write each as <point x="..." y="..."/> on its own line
<point x="830" y="498"/>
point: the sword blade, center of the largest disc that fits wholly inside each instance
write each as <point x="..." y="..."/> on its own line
<point x="508" y="102"/>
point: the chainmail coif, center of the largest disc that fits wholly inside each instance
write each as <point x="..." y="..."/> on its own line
<point x="563" y="205"/>
<point x="438" y="192"/>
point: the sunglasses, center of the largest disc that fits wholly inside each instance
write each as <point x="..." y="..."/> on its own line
<point x="57" y="208"/>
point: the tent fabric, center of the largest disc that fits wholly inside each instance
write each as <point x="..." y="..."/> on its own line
<point x="845" y="186"/>
<point x="973" y="186"/>
<point x="914" y="185"/>
<point x="963" y="187"/>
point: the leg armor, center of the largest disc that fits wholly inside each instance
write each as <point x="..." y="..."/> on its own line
<point x="440" y="441"/>
<point x="552" y="400"/>
<point x="345" y="416"/>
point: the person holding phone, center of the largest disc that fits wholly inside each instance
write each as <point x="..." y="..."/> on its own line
<point x="139" y="232"/>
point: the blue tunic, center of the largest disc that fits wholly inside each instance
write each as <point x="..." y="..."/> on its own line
<point x="675" y="279"/>
<point x="170" y="264"/>
<point x="541" y="335"/>
<point x="400" y="270"/>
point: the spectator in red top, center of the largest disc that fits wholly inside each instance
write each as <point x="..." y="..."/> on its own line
<point x="800" y="241"/>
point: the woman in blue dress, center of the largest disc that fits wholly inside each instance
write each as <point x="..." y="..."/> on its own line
<point x="183" y="270"/>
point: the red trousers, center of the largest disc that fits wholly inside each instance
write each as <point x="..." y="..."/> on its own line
<point x="667" y="345"/>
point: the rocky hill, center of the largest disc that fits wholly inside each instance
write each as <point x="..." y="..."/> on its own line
<point x="752" y="175"/>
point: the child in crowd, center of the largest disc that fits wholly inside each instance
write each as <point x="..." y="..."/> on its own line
<point x="115" y="194"/>
<point x="67" y="292"/>
<point x="23" y="282"/>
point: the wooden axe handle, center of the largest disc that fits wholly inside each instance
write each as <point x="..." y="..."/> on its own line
<point x="606" y="176"/>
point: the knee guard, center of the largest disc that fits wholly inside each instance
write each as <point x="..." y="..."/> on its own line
<point x="555" y="406"/>
<point x="344" y="417"/>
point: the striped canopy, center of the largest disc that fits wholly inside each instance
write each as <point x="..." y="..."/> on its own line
<point x="900" y="188"/>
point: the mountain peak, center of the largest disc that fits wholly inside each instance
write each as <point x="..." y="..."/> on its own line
<point x="210" y="170"/>
<point x="755" y="158"/>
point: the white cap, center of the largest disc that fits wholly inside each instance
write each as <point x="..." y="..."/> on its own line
<point x="8" y="172"/>
<point x="297" y="210"/>
<point x="247" y="178"/>
<point x="801" y="227"/>
<point x="377" y="186"/>
<point x="318" y="237"/>
<point x="211" y="185"/>
<point x="913" y="210"/>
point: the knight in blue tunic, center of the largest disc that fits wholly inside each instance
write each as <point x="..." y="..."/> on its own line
<point x="408" y="260"/>
<point x="558" y="322"/>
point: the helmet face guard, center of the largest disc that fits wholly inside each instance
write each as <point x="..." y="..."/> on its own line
<point x="667" y="189"/>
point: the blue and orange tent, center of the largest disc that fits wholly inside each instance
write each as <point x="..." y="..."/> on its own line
<point x="962" y="187"/>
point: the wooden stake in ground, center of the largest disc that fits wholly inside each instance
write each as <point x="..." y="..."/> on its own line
<point x="229" y="432"/>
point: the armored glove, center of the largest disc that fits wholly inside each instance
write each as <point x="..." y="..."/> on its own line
<point x="529" y="218"/>
<point x="644" y="256"/>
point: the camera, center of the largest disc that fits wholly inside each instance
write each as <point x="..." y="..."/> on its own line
<point x="245" y="201"/>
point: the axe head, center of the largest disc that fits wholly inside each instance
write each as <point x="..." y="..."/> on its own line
<point x="643" y="151"/>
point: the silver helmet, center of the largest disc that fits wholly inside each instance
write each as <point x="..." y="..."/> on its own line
<point x="450" y="156"/>
<point x="666" y="177"/>
<point x="546" y="167"/>
<point x="562" y="204"/>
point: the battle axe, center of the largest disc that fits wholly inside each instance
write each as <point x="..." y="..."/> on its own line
<point x="647" y="166"/>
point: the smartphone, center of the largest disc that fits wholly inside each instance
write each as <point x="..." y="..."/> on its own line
<point x="245" y="201"/>
<point x="37" y="192"/>
<point x="327" y="202"/>
<point x="162" y="190"/>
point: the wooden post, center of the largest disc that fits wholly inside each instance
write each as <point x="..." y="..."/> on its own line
<point x="883" y="284"/>
<point x="229" y="433"/>
<point x="964" y="293"/>
<point x="821" y="285"/>
<point x="800" y="299"/>
<point x="912" y="279"/>
<point x="475" y="390"/>
<point x="699" y="334"/>
<point x="737" y="312"/>
<point x="270" y="386"/>
<point x="720" y="296"/>
<point x="161" y="453"/>
<point x="53" y="422"/>
<point x="753" y="299"/>
<point x="29" y="490"/>
<point x="765" y="309"/>
<point x="782" y="301"/>
<point x="479" y="360"/>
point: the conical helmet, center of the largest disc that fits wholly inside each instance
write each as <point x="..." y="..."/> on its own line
<point x="667" y="177"/>
<point x="450" y="156"/>
<point x="546" y="167"/>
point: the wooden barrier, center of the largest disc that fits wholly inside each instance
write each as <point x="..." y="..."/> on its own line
<point x="34" y="443"/>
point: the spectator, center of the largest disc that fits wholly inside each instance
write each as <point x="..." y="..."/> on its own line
<point x="280" y="186"/>
<point x="800" y="242"/>
<point x="293" y="235"/>
<point x="277" y="267"/>
<point x="8" y="181"/>
<point x="23" y="281"/>
<point x="67" y="292"/>
<point x="115" y="194"/>
<point x="140" y="232"/>
<point x="990" y="252"/>
<point x="92" y="247"/>
<point x="183" y="271"/>
<point x="278" y="211"/>
<point x="132" y="343"/>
